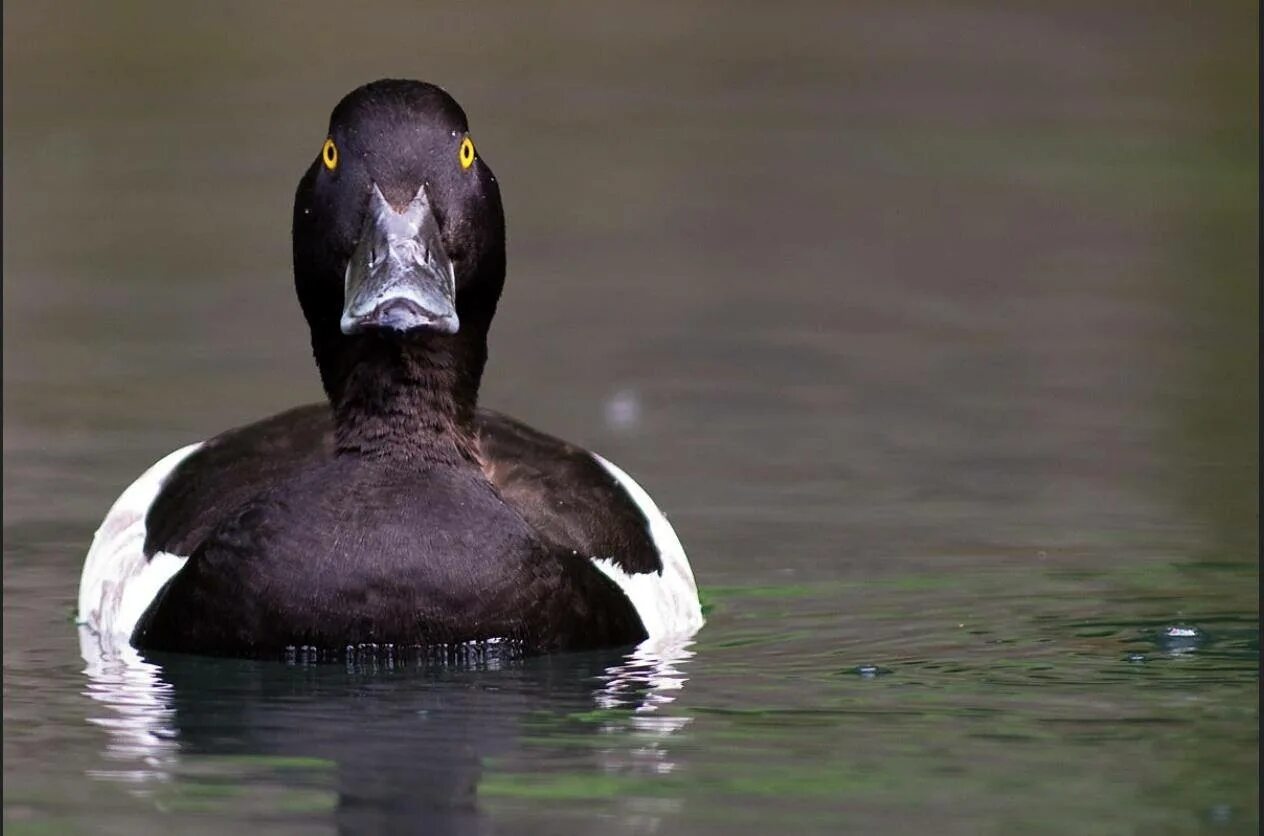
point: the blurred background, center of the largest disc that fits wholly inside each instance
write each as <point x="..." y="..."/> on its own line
<point x="933" y="327"/>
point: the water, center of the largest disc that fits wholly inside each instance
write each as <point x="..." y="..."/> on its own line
<point x="934" y="328"/>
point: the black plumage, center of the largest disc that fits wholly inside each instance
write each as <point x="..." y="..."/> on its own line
<point x="399" y="512"/>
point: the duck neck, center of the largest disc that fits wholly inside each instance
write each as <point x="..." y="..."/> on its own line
<point x="410" y="401"/>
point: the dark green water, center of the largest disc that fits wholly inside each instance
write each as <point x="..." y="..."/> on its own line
<point x="933" y="328"/>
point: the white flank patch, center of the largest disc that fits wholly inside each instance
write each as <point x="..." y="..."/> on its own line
<point x="666" y="601"/>
<point x="118" y="584"/>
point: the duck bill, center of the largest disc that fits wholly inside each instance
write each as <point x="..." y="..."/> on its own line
<point x="399" y="277"/>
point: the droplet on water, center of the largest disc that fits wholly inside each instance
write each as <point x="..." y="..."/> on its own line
<point x="1181" y="638"/>
<point x="623" y="410"/>
<point x="869" y="671"/>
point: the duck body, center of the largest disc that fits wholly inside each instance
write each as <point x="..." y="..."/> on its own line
<point x="289" y="545"/>
<point x="398" y="513"/>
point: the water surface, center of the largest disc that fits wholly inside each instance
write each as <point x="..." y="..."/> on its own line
<point x="933" y="327"/>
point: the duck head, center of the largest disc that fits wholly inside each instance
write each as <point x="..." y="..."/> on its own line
<point x="399" y="238"/>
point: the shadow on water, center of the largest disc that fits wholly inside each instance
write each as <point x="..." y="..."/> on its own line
<point x="382" y="742"/>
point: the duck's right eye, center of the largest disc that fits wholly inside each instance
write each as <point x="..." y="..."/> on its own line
<point x="329" y="154"/>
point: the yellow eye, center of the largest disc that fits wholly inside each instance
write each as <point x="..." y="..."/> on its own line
<point x="329" y="155"/>
<point x="466" y="154"/>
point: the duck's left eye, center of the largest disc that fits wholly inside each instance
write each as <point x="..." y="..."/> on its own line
<point x="329" y="154"/>
<point x="466" y="153"/>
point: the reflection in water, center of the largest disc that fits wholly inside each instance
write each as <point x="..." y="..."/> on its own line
<point x="139" y="717"/>
<point x="647" y="679"/>
<point x="406" y="743"/>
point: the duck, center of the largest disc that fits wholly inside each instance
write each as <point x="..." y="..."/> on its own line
<point x="398" y="513"/>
